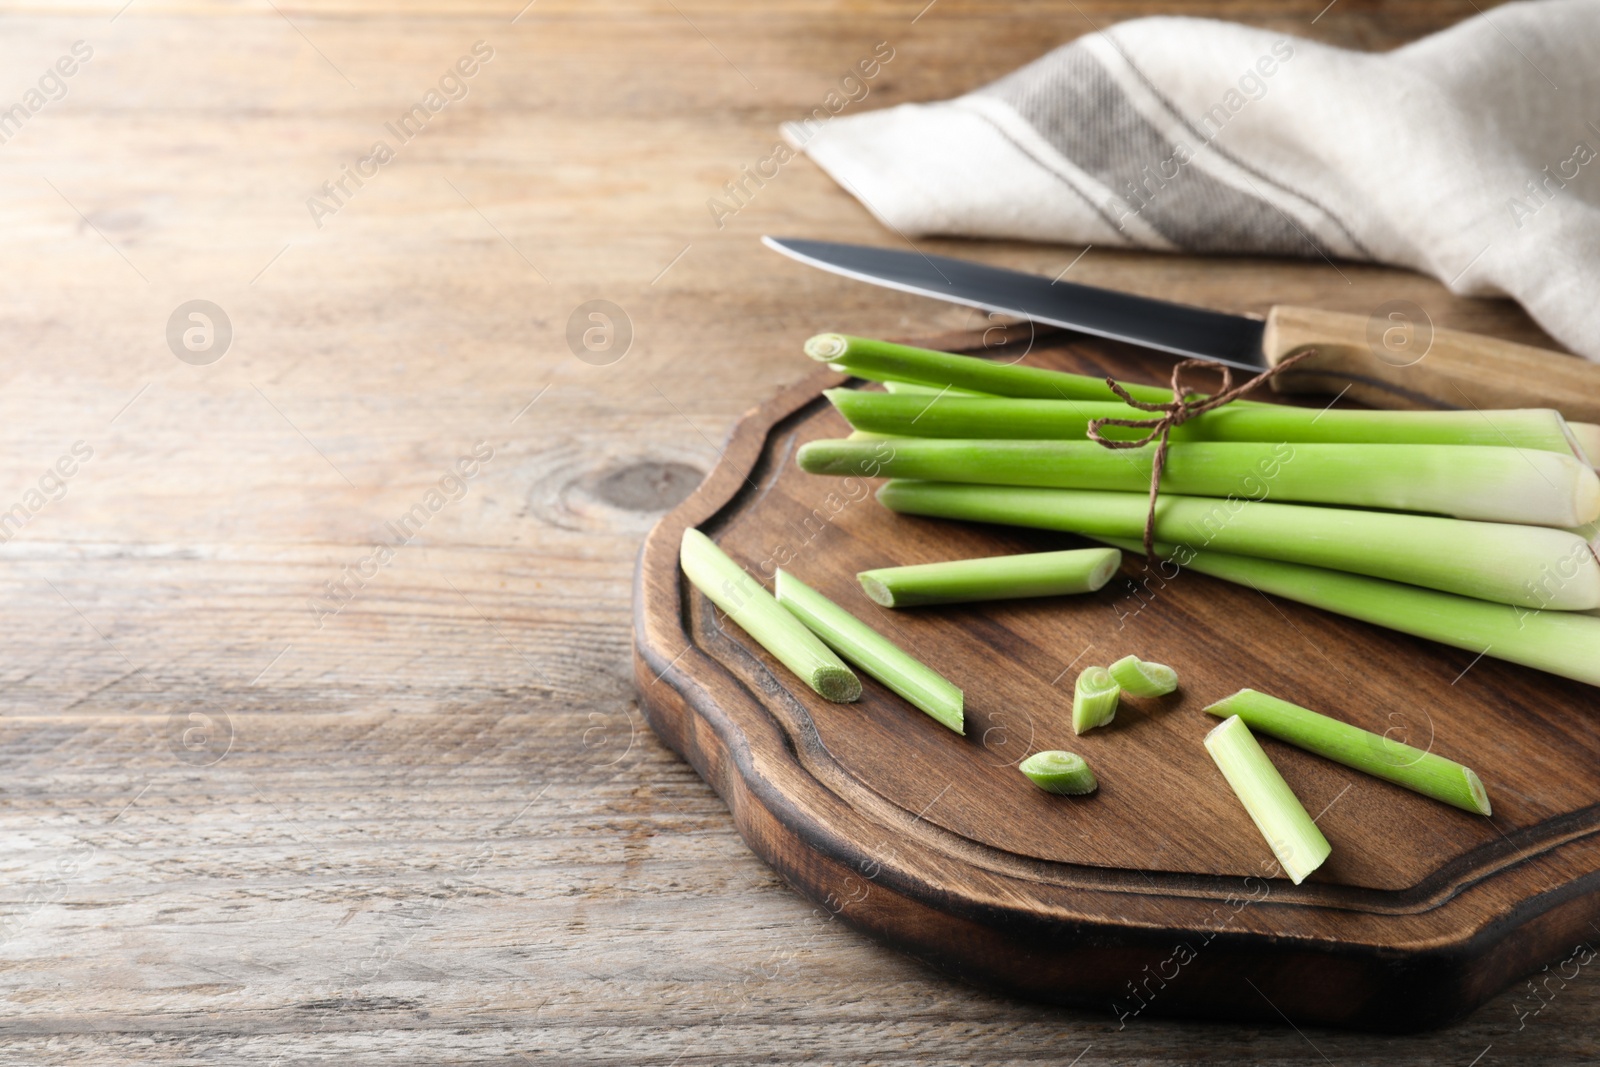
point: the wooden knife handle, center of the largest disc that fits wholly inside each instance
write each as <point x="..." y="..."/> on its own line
<point x="1395" y="358"/>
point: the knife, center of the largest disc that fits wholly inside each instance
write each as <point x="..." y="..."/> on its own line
<point x="1393" y="358"/>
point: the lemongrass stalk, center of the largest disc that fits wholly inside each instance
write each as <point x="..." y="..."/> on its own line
<point x="1271" y="804"/>
<point x="1140" y="679"/>
<point x="1464" y="481"/>
<point x="1062" y="773"/>
<point x="1528" y="566"/>
<point x="952" y="416"/>
<point x="1033" y="574"/>
<point x="1587" y="435"/>
<point x="918" y="389"/>
<point x="872" y="652"/>
<point x="1094" y="699"/>
<point x="1564" y="643"/>
<point x="868" y="435"/>
<point x="926" y="414"/>
<point x="727" y="586"/>
<point x="885" y="361"/>
<point x="1412" y="768"/>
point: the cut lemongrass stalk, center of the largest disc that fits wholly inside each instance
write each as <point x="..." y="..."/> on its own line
<point x="1529" y="566"/>
<point x="1587" y="434"/>
<point x="1062" y="773"/>
<point x="872" y="652"/>
<point x="1561" y="642"/>
<point x="1464" y="481"/>
<point x="1271" y="804"/>
<point x="727" y="586"/>
<point x="1377" y="755"/>
<point x="884" y="361"/>
<point x="1033" y="574"/>
<point x="918" y="389"/>
<point x="1094" y="699"/>
<point x="973" y="418"/>
<point x="1140" y="679"/>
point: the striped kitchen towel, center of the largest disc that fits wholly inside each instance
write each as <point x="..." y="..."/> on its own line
<point x="1468" y="155"/>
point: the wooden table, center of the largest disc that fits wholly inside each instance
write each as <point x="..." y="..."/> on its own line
<point x="285" y="784"/>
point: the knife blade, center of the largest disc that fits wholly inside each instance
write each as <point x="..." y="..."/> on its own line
<point x="1182" y="330"/>
<point x="1393" y="357"/>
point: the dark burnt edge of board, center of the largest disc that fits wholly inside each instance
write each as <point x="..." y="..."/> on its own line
<point x="1457" y="974"/>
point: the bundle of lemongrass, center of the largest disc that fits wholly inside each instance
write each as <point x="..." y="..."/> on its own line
<point x="1476" y="529"/>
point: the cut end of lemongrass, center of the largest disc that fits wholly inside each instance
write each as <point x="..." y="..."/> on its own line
<point x="1587" y="436"/>
<point x="876" y="591"/>
<point x="1103" y="573"/>
<point x="838" y="685"/>
<point x="1140" y="679"/>
<point x="1062" y="773"/>
<point x="1586" y="502"/>
<point x="1479" y="793"/>
<point x="1094" y="699"/>
<point x="825" y="347"/>
<point x="1292" y="835"/>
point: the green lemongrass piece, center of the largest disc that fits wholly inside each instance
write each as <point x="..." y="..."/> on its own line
<point x="727" y="586"/>
<point x="1272" y="805"/>
<point x="1565" y="643"/>
<point x="1062" y="773"/>
<point x="1140" y="679"/>
<point x="953" y="416"/>
<point x="868" y="435"/>
<point x="1377" y="755"/>
<point x="872" y="652"/>
<point x="918" y="389"/>
<point x="1465" y="481"/>
<point x="927" y="414"/>
<point x="1033" y="574"/>
<point x="1529" y="566"/>
<point x="1094" y="699"/>
<point x="1587" y="434"/>
<point x="884" y="361"/>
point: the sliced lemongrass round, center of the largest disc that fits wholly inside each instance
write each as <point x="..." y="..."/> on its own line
<point x="1587" y="435"/>
<point x="1383" y="757"/>
<point x="1140" y="679"/>
<point x="1271" y="804"/>
<point x="1094" y="699"/>
<point x="872" y="652"/>
<point x="747" y="603"/>
<point x="1063" y="773"/>
<point x="1031" y="574"/>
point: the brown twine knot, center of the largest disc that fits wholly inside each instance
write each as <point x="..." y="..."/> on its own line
<point x="1179" y="410"/>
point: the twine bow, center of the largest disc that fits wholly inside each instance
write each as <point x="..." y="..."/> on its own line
<point x="1179" y="410"/>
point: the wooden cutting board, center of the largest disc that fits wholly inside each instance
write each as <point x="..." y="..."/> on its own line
<point x="1151" y="896"/>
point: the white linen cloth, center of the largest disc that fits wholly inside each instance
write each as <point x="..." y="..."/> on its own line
<point x="1470" y="155"/>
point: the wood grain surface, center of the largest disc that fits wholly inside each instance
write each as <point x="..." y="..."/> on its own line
<point x="433" y="828"/>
